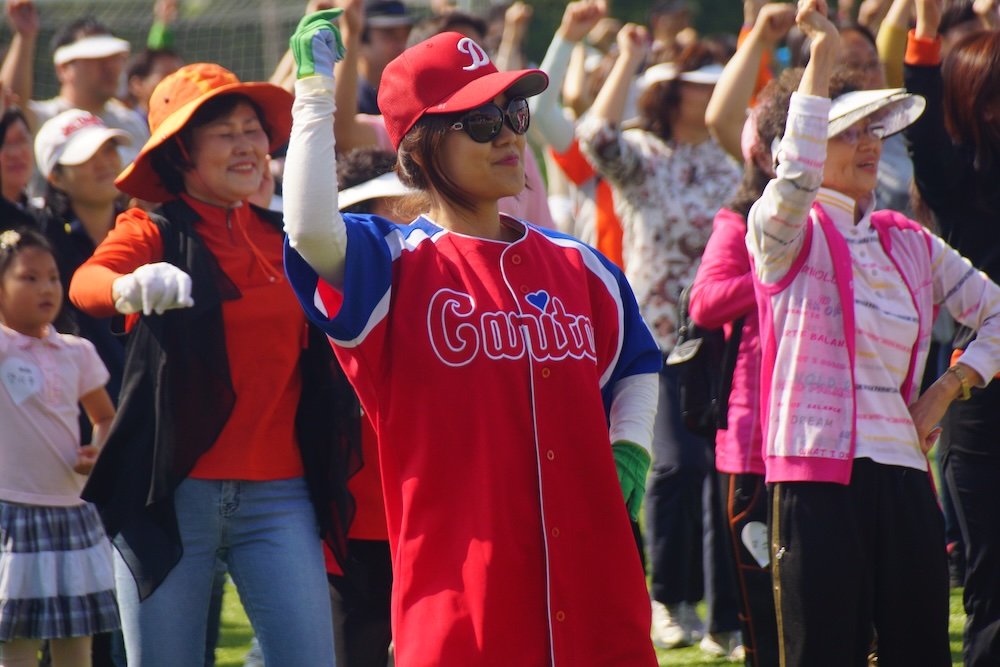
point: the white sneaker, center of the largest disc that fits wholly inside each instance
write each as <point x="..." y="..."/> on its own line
<point x="691" y="621"/>
<point x="254" y="658"/>
<point x="738" y="654"/>
<point x="723" y="645"/>
<point x="668" y="630"/>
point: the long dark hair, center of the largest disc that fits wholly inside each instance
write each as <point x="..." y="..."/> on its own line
<point x="971" y="75"/>
<point x="359" y="166"/>
<point x="419" y="164"/>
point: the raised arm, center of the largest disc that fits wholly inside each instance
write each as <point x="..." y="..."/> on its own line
<point x="161" y="33"/>
<point x="777" y="220"/>
<point x="284" y="72"/>
<point x="823" y="50"/>
<point x="515" y="27"/>
<point x="554" y="122"/>
<point x="939" y="167"/>
<point x="987" y="10"/>
<point x="350" y="133"/>
<point x="313" y="222"/>
<point x="726" y="112"/>
<point x="891" y="41"/>
<point x="871" y="13"/>
<point x="17" y="73"/>
<point x="599" y="132"/>
<point x="633" y="43"/>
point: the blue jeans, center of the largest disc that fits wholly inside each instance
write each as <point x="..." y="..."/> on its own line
<point x="267" y="535"/>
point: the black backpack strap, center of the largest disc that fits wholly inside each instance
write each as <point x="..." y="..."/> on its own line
<point x="732" y="351"/>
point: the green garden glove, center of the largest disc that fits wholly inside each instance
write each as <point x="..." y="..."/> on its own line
<point x="632" y="463"/>
<point x="316" y="44"/>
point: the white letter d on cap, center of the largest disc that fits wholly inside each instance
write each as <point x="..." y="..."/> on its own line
<point x="476" y="52"/>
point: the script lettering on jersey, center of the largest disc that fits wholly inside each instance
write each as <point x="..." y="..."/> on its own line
<point x="459" y="333"/>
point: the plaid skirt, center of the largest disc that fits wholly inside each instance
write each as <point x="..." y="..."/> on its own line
<point x="56" y="573"/>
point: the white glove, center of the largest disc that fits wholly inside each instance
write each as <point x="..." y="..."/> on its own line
<point x="152" y="288"/>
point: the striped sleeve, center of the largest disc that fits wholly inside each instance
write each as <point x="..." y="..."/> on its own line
<point x="973" y="300"/>
<point x="777" y="220"/>
<point x="347" y="314"/>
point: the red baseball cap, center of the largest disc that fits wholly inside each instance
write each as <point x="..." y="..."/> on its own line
<point x="446" y="74"/>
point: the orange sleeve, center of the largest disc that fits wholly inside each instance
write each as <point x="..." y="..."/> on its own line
<point x="764" y="74"/>
<point x="609" y="227"/>
<point x="573" y="163"/>
<point x="134" y="241"/>
<point x="922" y="51"/>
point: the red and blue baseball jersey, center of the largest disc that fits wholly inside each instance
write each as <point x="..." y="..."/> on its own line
<point x="487" y="369"/>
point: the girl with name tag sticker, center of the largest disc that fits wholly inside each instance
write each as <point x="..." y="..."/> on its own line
<point x="56" y="579"/>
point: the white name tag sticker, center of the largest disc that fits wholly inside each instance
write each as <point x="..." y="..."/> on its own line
<point x="754" y="537"/>
<point x="21" y="378"/>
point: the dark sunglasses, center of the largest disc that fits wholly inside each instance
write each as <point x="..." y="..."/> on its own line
<point x="486" y="122"/>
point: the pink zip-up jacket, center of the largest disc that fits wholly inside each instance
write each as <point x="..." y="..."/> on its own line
<point x="804" y="284"/>
<point x="722" y="292"/>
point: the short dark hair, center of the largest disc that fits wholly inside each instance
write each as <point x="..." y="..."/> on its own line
<point x="141" y="64"/>
<point x="57" y="201"/>
<point x="854" y="26"/>
<point x="29" y="238"/>
<point x="10" y="116"/>
<point x="383" y="8"/>
<point x="435" y="25"/>
<point x="666" y="7"/>
<point x="956" y="12"/>
<point x="85" y="26"/>
<point x="659" y="101"/>
<point x="798" y="44"/>
<point x="362" y="165"/>
<point x="171" y="159"/>
<point x="770" y="116"/>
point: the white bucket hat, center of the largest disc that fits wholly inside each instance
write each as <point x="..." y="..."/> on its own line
<point x="384" y="186"/>
<point x="72" y="138"/>
<point x="898" y="109"/>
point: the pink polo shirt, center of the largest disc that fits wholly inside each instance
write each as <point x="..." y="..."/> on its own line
<point x="41" y="382"/>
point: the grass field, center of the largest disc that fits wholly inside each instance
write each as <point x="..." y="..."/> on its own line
<point x="234" y="640"/>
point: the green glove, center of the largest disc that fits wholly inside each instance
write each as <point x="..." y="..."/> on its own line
<point x="632" y="463"/>
<point x="316" y="44"/>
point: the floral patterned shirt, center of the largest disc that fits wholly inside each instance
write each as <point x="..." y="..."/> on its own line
<point x="666" y="195"/>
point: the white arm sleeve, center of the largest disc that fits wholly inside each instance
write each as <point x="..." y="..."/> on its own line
<point x="552" y="121"/>
<point x="313" y="222"/>
<point x="633" y="409"/>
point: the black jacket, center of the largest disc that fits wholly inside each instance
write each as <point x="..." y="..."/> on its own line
<point x="177" y="396"/>
<point x="964" y="197"/>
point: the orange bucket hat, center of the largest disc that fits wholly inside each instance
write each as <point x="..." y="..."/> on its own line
<point x="177" y="98"/>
